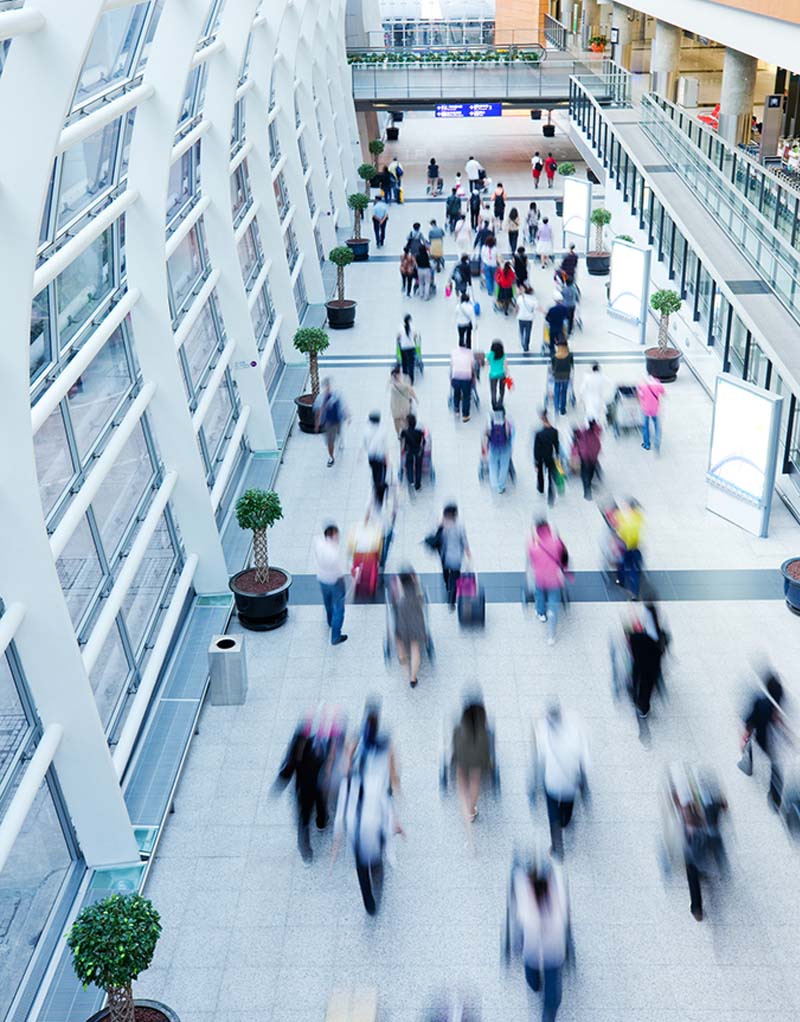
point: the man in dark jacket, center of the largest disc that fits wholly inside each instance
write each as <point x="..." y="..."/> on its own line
<point x="556" y="317"/>
<point x="305" y="761"/>
<point x="474" y="209"/>
<point x="453" y="209"/>
<point x="545" y="451"/>
<point x="761" y="722"/>
<point x="570" y="262"/>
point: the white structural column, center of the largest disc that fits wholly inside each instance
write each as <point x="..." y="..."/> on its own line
<point x="341" y="78"/>
<point x="220" y="100"/>
<point x="590" y="19"/>
<point x="737" y="95"/>
<point x="666" y="59"/>
<point x="44" y="68"/>
<point x="262" y="55"/>
<point x="619" y="20"/>
<point x="337" y="172"/>
<point x="167" y="70"/>
<point x="288" y="40"/>
<point x="566" y="13"/>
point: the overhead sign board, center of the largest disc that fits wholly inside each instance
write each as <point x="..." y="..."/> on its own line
<point x="469" y="110"/>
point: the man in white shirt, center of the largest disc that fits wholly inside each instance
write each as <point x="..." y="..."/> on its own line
<point x="473" y="171"/>
<point x="594" y="394"/>
<point x="375" y="446"/>
<point x="561" y="757"/>
<point x="331" y="572"/>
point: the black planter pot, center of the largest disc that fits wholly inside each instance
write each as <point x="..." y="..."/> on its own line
<point x="341" y="316"/>
<point x="392" y="134"/>
<point x="549" y="130"/>
<point x="791" y="587"/>
<point x="598" y="265"/>
<point x="559" y="207"/>
<point x="105" y="1014"/>
<point x="262" y="612"/>
<point x="360" y="249"/>
<point x="536" y="115"/>
<point x="663" y="368"/>
<point x="306" y="416"/>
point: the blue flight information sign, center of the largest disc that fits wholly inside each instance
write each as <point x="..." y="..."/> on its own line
<point x="469" y="110"/>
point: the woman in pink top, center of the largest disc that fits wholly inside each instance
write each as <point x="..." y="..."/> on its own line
<point x="548" y="559"/>
<point x="649" y="392"/>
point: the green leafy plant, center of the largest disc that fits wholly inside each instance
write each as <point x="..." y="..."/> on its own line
<point x="566" y="169"/>
<point x="358" y="202"/>
<point x="598" y="40"/>
<point x="625" y="237"/>
<point x="366" y="172"/>
<point x="340" y="256"/>
<point x="112" y="942"/>
<point x="600" y="218"/>
<point x="665" y="302"/>
<point x="258" y="510"/>
<point x="311" y="340"/>
<point x="376" y="147"/>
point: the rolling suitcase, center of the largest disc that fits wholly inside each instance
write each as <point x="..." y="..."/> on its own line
<point x="471" y="602"/>
<point x="365" y="574"/>
<point x="475" y="267"/>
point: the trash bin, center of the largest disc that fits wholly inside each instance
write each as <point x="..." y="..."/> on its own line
<point x="228" y="667"/>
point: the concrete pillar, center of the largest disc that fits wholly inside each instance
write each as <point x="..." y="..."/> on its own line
<point x="590" y="21"/>
<point x="566" y="13"/>
<point x="367" y="130"/>
<point x="666" y="59"/>
<point x="737" y="96"/>
<point x="621" y="52"/>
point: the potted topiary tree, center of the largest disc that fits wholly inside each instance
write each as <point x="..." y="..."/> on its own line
<point x="376" y="147"/>
<point x="310" y="340"/>
<point x="359" y="246"/>
<point x="663" y="361"/>
<point x="790" y="569"/>
<point x="598" y="259"/>
<point x="367" y="172"/>
<point x="548" y="128"/>
<point x="261" y="592"/>
<point x="565" y="169"/>
<point x="112" y="942"/>
<point x="341" y="310"/>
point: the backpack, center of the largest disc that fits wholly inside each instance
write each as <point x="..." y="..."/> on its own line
<point x="331" y="411"/>
<point x="498" y="436"/>
<point x="538" y="166"/>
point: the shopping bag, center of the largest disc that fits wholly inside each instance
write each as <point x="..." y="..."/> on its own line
<point x="448" y="290"/>
<point x="477" y="307"/>
<point x="467" y="585"/>
<point x="745" y="763"/>
<point x="509" y="383"/>
<point x="560" y="476"/>
<point x="400" y="195"/>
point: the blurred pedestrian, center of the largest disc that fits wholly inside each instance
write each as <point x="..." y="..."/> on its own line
<point x="401" y="396"/>
<point x="408" y="342"/>
<point x="474" y="209"/>
<point x="410" y="631"/>
<point x="561" y="367"/>
<point x="498" y="207"/>
<point x="490" y="260"/>
<point x="412" y="440"/>
<point x="498" y="442"/>
<point x="331" y="414"/>
<point x="628" y="524"/>
<point x="544" y="242"/>
<point x="462" y="369"/>
<point x="450" y="542"/>
<point x="561" y="760"/>
<point x="452" y="208"/>
<point x="548" y="559"/>
<point x="408" y="272"/>
<point x="569" y="299"/>
<point x="765" y="722"/>
<point x="505" y="282"/>
<point x="545" y="452"/>
<point x="650" y="392"/>
<point x="588" y="445"/>
<point x="648" y="643"/>
<point x="471" y="759"/>
<point x="513" y="227"/>
<point x="569" y="264"/>
<point x="415" y="241"/>
<point x="380" y="217"/>
<point x="375" y="446"/>
<point x="556" y="320"/>
<point x="436" y="246"/>
<point x="382" y="514"/>
<point x="462" y="277"/>
<point x="305" y="760"/>
<point x="496" y="357"/>
<point x="331" y="574"/>
<point x="532" y="222"/>
<point x="424" y="273"/>
<point x="466" y="320"/>
<point x="526" y="312"/>
<point x="550" y="167"/>
<point x="463" y="238"/>
<point x="594" y="393"/>
<point x="521" y="266"/>
<point x="537" y="166"/>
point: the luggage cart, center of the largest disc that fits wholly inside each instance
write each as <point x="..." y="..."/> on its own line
<point x="624" y="412"/>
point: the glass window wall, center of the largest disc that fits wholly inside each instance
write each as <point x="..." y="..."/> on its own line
<point x="201" y="345"/>
<point x="87" y="170"/>
<point x="111" y="676"/>
<point x="218" y="419"/>
<point x="120" y="495"/>
<point x="82" y="286"/>
<point x="112" y="53"/>
<point x="185" y="268"/>
<point x="183" y="181"/>
<point x="148" y="591"/>
<point x="80" y="573"/>
<point x="263" y="316"/>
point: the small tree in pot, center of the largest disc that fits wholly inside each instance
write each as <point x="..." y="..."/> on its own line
<point x="310" y="341"/>
<point x="359" y="203"/>
<point x="598" y="260"/>
<point x="376" y="147"/>
<point x="112" y="942"/>
<point x="341" y="310"/>
<point x="565" y="169"/>
<point x="261" y="592"/>
<point x="664" y="360"/>
<point x="367" y="172"/>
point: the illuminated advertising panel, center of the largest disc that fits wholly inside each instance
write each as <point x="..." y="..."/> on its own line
<point x="577" y="207"/>
<point x="629" y="281"/>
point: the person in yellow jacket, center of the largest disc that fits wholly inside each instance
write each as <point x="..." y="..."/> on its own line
<point x="628" y="526"/>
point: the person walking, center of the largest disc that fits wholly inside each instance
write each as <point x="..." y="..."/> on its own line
<point x="764" y="721"/>
<point x="424" y="273"/>
<point x="462" y="277"/>
<point x="474" y="171"/>
<point x="416" y="239"/>
<point x="561" y="368"/>
<point x="561" y="758"/>
<point x="498" y="442"/>
<point x="463" y="239"/>
<point x="407" y="341"/>
<point x="410" y="632"/>
<point x="539" y="919"/>
<point x="483" y="232"/>
<point x="462" y="368"/>
<point x="496" y="357"/>
<point x="471" y="760"/>
<point x="550" y="167"/>
<point x="401" y="395"/>
<point x="498" y="207"/>
<point x="526" y="312"/>
<point x="650" y="391"/>
<point x="433" y="177"/>
<point x="450" y="541"/>
<point x="521" y="267"/>
<point x="532" y="223"/>
<point x="380" y="217"/>
<point x="452" y="208"/>
<point x="648" y="644"/>
<point x="375" y="446"/>
<point x="466" y="320"/>
<point x="436" y="245"/>
<point x="305" y="761"/>
<point x="587" y="446"/>
<point x="569" y="264"/>
<point x="395" y="170"/>
<point x="412" y="440"/>
<point x="408" y="272"/>
<point x="474" y="209"/>
<point x="330" y="416"/>
<point x="628" y="524"/>
<point x="569" y="299"/>
<point x="544" y="242"/>
<point x="594" y="393"/>
<point x="537" y="166"/>
<point x="490" y="260"/>
<point x="545" y="452"/>
<point x="331" y="573"/>
<point x="505" y="281"/>
<point x="513" y="227"/>
<point x="365" y="813"/>
<point x="556" y="320"/>
<point x="548" y="560"/>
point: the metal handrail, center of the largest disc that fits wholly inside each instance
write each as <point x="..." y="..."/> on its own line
<point x="407" y="54"/>
<point x="556" y="32"/>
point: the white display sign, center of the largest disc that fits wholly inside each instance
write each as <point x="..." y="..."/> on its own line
<point x="629" y="282"/>
<point x="577" y="207"/>
<point x="743" y="452"/>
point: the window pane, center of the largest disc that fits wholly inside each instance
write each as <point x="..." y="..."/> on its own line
<point x="53" y="461"/>
<point x="201" y="343"/>
<point x="145" y="590"/>
<point x="40" y="334"/>
<point x="109" y="676"/>
<point x="126" y="144"/>
<point x="179" y="189"/>
<point x="248" y="253"/>
<point x="239" y="189"/>
<point x="121" y="490"/>
<point x="216" y="420"/>
<point x="79" y="572"/>
<point x="13" y="722"/>
<point x="98" y="391"/>
<point x="29" y="886"/>
<point x="112" y="51"/>
<point x="82" y="286"/>
<point x="184" y="267"/>
<point x="86" y="169"/>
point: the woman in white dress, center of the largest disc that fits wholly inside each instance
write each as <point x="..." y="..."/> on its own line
<point x="463" y="237"/>
<point x="544" y="242"/>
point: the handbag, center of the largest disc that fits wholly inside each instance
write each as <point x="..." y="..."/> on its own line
<point x="509" y="383"/>
<point x="560" y="477"/>
<point x="448" y="290"/>
<point x="477" y="308"/>
<point x="745" y="763"/>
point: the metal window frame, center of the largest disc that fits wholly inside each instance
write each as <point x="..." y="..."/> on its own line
<point x="726" y="360"/>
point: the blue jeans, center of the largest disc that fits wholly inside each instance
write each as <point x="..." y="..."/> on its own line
<point x="630" y="571"/>
<point x="560" y="388"/>
<point x="333" y="599"/>
<point x="552" y="989"/>
<point x="548" y="601"/>
<point x="499" y="460"/>
<point x="525" y="333"/>
<point x="462" y="396"/>
<point x="488" y="276"/>
<point x="656" y="431"/>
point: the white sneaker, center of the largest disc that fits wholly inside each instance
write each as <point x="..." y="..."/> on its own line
<point x="551" y="640"/>
<point x="542" y="617"/>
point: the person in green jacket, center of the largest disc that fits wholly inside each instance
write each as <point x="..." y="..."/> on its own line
<point x="496" y="359"/>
